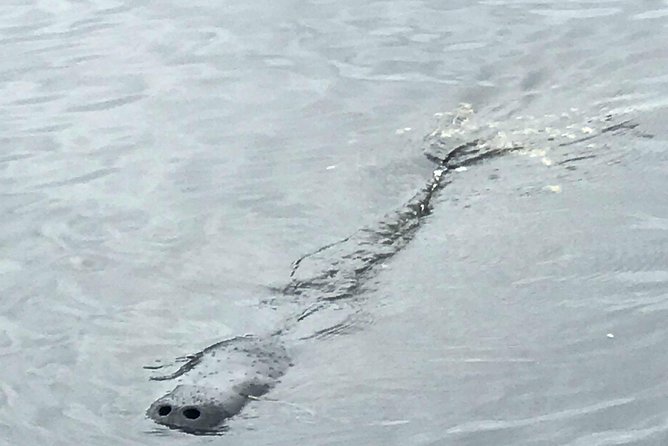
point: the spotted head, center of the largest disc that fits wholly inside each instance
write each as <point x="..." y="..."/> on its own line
<point x="216" y="383"/>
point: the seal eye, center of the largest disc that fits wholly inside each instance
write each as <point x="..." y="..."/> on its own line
<point x="163" y="411"/>
<point x="191" y="413"/>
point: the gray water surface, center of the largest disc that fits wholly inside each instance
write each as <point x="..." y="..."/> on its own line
<point x="163" y="163"/>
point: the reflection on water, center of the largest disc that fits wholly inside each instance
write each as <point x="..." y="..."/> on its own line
<point x="164" y="163"/>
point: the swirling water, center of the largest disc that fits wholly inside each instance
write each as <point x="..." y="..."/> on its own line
<point x="163" y="164"/>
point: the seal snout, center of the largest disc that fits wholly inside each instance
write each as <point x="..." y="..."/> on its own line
<point x="184" y="408"/>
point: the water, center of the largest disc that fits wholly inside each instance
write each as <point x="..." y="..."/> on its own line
<point x="165" y="163"/>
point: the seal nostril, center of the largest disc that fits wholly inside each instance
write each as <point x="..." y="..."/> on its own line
<point x="164" y="410"/>
<point x="191" y="413"/>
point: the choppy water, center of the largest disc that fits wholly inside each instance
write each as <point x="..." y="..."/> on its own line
<point x="163" y="164"/>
